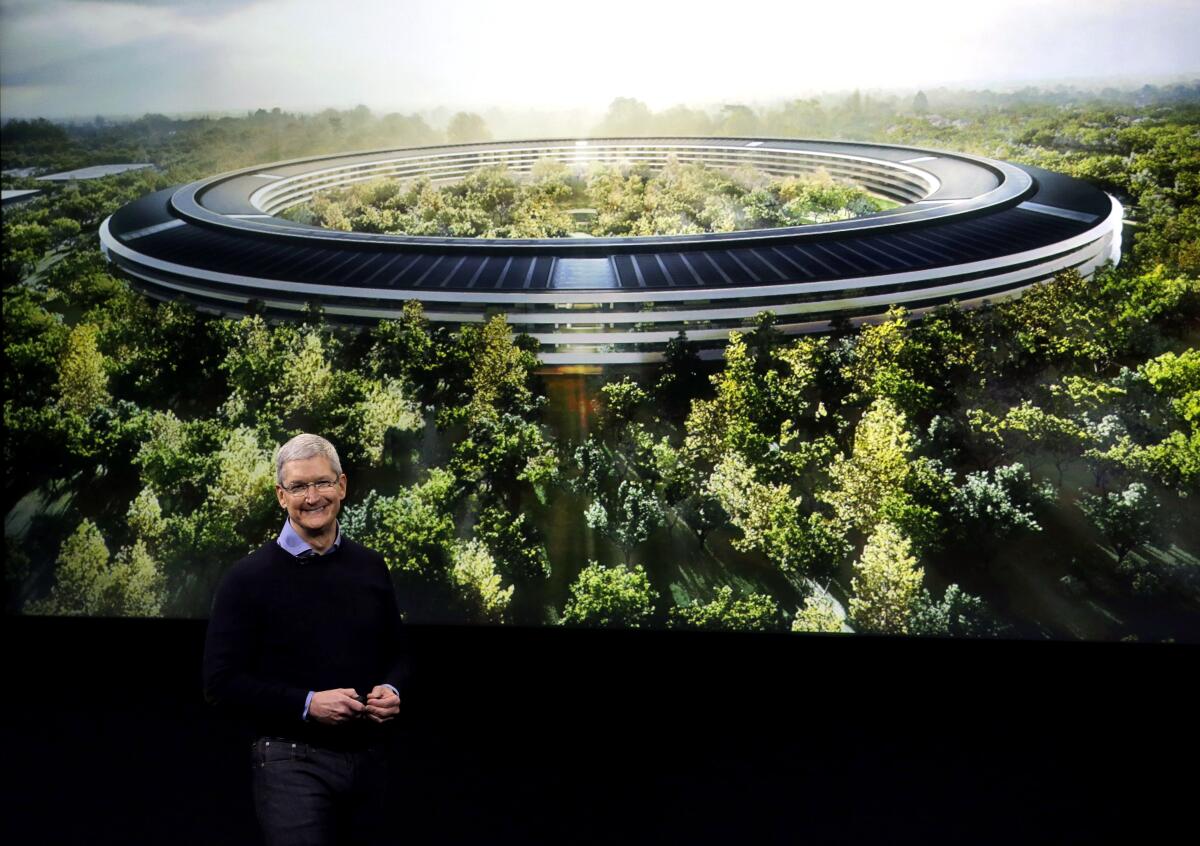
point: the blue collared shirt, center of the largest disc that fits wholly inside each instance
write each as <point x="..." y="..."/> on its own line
<point x="290" y="541"/>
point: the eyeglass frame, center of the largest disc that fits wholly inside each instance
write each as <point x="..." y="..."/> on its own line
<point x="299" y="489"/>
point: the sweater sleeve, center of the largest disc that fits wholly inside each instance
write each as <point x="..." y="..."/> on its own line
<point x="400" y="667"/>
<point x="231" y="647"/>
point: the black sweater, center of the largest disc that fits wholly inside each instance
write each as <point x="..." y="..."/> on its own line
<point x="282" y="626"/>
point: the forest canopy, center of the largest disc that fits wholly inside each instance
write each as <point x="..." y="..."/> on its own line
<point x="1026" y="468"/>
<point x="555" y="202"/>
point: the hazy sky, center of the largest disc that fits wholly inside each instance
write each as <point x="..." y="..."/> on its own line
<point x="83" y="57"/>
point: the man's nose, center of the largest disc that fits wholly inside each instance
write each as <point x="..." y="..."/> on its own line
<point x="310" y="494"/>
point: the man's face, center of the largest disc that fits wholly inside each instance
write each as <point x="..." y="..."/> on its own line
<point x="313" y="510"/>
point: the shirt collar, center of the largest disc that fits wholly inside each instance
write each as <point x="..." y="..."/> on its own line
<point x="291" y="541"/>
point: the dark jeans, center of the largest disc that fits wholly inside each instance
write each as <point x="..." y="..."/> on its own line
<point x="305" y="795"/>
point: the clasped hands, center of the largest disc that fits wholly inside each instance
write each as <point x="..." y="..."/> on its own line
<point x="333" y="707"/>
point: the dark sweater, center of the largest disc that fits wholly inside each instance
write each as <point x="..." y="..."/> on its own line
<point x="282" y="626"/>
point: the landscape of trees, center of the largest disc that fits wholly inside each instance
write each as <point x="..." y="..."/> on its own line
<point x="554" y="202"/>
<point x="1023" y="469"/>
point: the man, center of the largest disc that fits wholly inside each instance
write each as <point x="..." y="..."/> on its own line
<point x="304" y="642"/>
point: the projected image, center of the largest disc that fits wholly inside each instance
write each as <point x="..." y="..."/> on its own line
<point x="652" y="366"/>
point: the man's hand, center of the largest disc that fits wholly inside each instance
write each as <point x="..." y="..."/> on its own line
<point x="333" y="707"/>
<point x="382" y="704"/>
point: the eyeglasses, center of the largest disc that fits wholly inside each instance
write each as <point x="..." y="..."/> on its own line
<point x="323" y="486"/>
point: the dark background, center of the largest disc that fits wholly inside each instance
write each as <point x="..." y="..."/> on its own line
<point x="575" y="736"/>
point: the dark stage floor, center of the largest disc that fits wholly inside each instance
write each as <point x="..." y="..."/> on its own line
<point x="547" y="736"/>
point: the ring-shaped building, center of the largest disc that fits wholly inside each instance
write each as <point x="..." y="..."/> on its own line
<point x="967" y="229"/>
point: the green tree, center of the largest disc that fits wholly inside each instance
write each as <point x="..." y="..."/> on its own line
<point x="137" y="586"/>
<point x="413" y="531"/>
<point x="887" y="582"/>
<point x="80" y="575"/>
<point x="771" y="520"/>
<point x="1177" y="378"/>
<point x="629" y="518"/>
<point x="412" y="349"/>
<point x="995" y="504"/>
<point x="610" y="597"/>
<point x="501" y="371"/>
<point x="474" y="572"/>
<point x="819" y="614"/>
<point x="1027" y="429"/>
<point x="880" y="364"/>
<point x="514" y="542"/>
<point x="956" y="614"/>
<point x="281" y="377"/>
<point x="680" y="377"/>
<point x="82" y="378"/>
<point x="738" y="121"/>
<point x="1125" y="518"/>
<point x="621" y="401"/>
<point x="499" y="453"/>
<point x="373" y="410"/>
<point x="88" y="584"/>
<point x="145" y="518"/>
<point x="755" y="612"/>
<point x="875" y="472"/>
<point x="239" y="482"/>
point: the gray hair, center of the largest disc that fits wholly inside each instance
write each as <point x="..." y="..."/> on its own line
<point x="306" y="446"/>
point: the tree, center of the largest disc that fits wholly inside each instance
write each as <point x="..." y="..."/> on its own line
<point x="467" y="127"/>
<point x="375" y="409"/>
<point x="1125" y="518"/>
<point x="474" y="571"/>
<point x="413" y="531"/>
<point x="498" y="452"/>
<point x="240" y="508"/>
<point x="208" y="498"/>
<point x="957" y="614"/>
<point x="281" y="377"/>
<point x="1026" y="429"/>
<point x="680" y="376"/>
<point x="88" y="584"/>
<point x="920" y="103"/>
<point x="819" y="614"/>
<point x="886" y="584"/>
<point x="879" y="364"/>
<point x="80" y="574"/>
<point x="514" y="543"/>
<point x="876" y="470"/>
<point x="500" y="371"/>
<point x="755" y="612"/>
<point x="728" y="421"/>
<point x="1177" y="378"/>
<point x="683" y="490"/>
<point x="630" y="517"/>
<point x="767" y="396"/>
<point x="1093" y="319"/>
<point x="738" y="121"/>
<point x="771" y="520"/>
<point x="621" y="401"/>
<point x="145" y="518"/>
<point x="137" y="587"/>
<point x="626" y="116"/>
<point x="1056" y="320"/>
<point x="610" y="597"/>
<point x="992" y="505"/>
<point x="82" y="379"/>
<point x="412" y="349"/>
